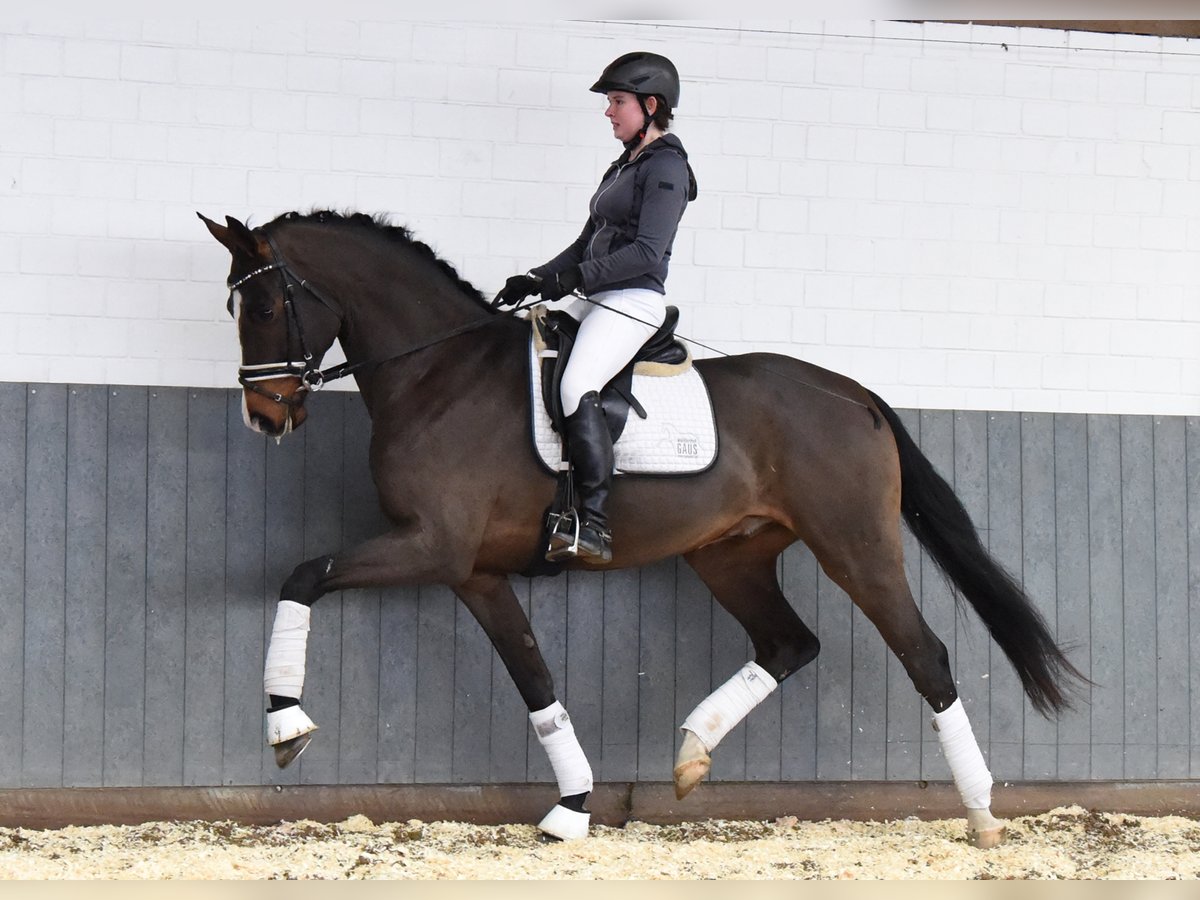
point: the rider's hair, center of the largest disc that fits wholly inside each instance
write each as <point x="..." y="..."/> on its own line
<point x="662" y="113"/>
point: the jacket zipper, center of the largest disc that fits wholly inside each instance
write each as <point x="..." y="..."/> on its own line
<point x="596" y="209"/>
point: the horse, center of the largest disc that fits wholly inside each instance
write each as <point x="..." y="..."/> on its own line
<point x="806" y="454"/>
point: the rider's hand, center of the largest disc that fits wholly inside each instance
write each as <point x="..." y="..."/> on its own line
<point x="555" y="287"/>
<point x="516" y="289"/>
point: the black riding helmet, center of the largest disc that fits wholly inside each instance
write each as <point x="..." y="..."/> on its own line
<point x="642" y="74"/>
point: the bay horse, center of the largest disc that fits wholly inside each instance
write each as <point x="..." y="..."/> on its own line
<point x="805" y="455"/>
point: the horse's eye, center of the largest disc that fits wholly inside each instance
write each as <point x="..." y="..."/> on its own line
<point x="263" y="313"/>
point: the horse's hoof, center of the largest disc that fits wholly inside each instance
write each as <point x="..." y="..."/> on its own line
<point x="287" y="724"/>
<point x="986" y="838"/>
<point x="691" y="765"/>
<point x="565" y="824"/>
<point x="287" y="751"/>
<point x="689" y="774"/>
<point x="983" y="829"/>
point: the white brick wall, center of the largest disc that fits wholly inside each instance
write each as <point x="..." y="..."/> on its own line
<point x="959" y="216"/>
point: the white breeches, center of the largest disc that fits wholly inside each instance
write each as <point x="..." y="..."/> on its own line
<point x="607" y="339"/>
<point x="556" y="734"/>
<point x="970" y="772"/>
<point x="718" y="713"/>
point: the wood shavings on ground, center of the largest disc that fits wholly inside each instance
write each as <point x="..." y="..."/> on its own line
<point x="1065" y="843"/>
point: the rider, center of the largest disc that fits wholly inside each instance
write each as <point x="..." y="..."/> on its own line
<point x="620" y="262"/>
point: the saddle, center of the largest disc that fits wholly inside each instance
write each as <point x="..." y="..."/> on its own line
<point x="663" y="354"/>
<point x="554" y="338"/>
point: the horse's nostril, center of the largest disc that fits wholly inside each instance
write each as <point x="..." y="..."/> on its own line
<point x="263" y="424"/>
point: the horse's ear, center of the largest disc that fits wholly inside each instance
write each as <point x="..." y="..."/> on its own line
<point x="234" y="237"/>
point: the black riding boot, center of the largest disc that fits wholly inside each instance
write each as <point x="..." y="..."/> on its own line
<point x="590" y="450"/>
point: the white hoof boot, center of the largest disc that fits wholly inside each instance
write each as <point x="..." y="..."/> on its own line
<point x="984" y="830"/>
<point x="288" y="724"/>
<point x="565" y="824"/>
<point x="691" y="765"/>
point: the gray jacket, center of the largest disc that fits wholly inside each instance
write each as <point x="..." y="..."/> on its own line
<point x="633" y="217"/>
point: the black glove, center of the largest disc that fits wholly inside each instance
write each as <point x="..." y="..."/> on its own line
<point x="555" y="287"/>
<point x="516" y="289"/>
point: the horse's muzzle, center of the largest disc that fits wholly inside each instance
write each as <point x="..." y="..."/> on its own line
<point x="274" y="406"/>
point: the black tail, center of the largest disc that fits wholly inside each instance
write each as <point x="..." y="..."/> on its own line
<point x="938" y="520"/>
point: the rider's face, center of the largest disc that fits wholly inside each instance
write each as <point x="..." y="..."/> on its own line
<point x="625" y="114"/>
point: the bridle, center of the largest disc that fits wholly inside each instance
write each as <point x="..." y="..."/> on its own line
<point x="310" y="375"/>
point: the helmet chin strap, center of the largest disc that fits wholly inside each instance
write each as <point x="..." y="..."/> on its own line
<point x="647" y="120"/>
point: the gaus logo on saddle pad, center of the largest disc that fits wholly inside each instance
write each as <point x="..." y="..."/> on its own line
<point x="677" y="437"/>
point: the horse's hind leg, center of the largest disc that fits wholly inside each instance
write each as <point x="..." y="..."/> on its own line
<point x="491" y="600"/>
<point x="741" y="574"/>
<point x="876" y="583"/>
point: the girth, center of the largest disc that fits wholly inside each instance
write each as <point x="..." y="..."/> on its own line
<point x="558" y="332"/>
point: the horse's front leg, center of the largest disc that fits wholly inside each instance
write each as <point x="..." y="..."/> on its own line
<point x="491" y="600"/>
<point x="289" y="729"/>
<point x="402" y="556"/>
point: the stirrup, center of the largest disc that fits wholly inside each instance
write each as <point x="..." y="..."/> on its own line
<point x="569" y="546"/>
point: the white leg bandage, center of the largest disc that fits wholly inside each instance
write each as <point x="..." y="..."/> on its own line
<point x="729" y="704"/>
<point x="284" y="671"/>
<point x="556" y="734"/>
<point x="970" y="772"/>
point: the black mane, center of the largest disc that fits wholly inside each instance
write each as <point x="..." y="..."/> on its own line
<point x="381" y="224"/>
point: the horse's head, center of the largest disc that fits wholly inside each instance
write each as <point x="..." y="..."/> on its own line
<point x="284" y="328"/>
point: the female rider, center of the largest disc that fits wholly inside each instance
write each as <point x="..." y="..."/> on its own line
<point x="619" y="262"/>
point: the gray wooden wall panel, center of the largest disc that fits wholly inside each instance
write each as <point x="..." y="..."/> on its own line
<point x="140" y="584"/>
<point x="1138" y="601"/>
<point x="399" y="661"/>
<point x="246" y="515"/>
<point x="433" y="722"/>
<point x="45" y="589"/>
<point x="1107" y="644"/>
<point x="868" y="722"/>
<point x="693" y="642"/>
<point x="729" y="651"/>
<point x="125" y="588"/>
<point x="1072" y="587"/>
<point x="798" y="694"/>
<point x="1192" y="492"/>
<point x="509" y="716"/>
<point x="619" y="685"/>
<point x="472" y="753"/>
<point x="324" y="479"/>
<point x="656" y="673"/>
<point x="166" y="585"/>
<point x="583" y="593"/>
<point x="84" y="588"/>
<point x="834" y="677"/>
<point x="13" y="524"/>
<point x="204" y="625"/>
<point x="1171" y="596"/>
<point x="358" y="739"/>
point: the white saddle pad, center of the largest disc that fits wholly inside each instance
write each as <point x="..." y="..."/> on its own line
<point x="677" y="437"/>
